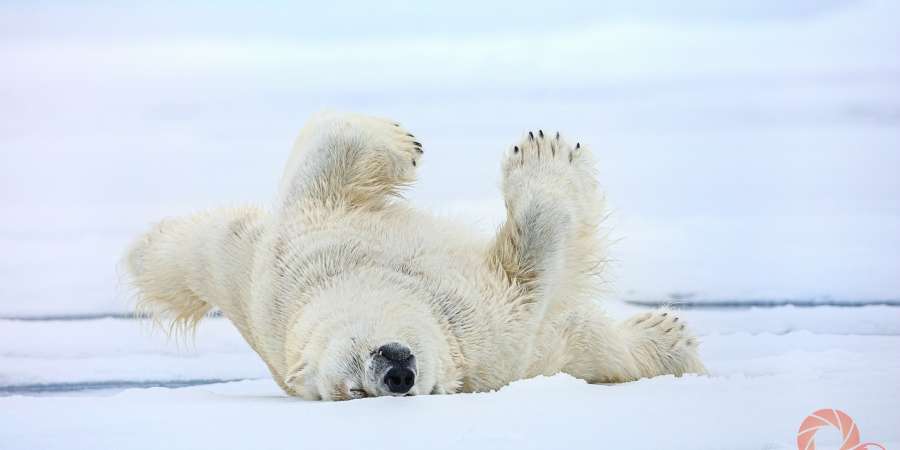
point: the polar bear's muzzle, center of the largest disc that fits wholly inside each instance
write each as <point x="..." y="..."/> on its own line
<point x="393" y="367"/>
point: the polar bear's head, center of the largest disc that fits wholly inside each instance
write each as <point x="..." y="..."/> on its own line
<point x="367" y="343"/>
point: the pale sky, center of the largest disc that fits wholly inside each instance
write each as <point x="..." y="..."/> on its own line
<point x="749" y="149"/>
<point x="366" y="19"/>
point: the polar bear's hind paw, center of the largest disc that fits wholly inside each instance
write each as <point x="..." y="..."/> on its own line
<point x="665" y="343"/>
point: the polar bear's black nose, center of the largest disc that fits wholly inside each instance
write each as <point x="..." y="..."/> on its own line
<point x="400" y="380"/>
<point x="394" y="352"/>
<point x="400" y="365"/>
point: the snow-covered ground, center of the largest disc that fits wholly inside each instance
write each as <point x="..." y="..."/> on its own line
<point x="769" y="369"/>
<point x="750" y="151"/>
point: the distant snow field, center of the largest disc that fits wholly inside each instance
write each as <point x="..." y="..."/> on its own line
<point x="741" y="160"/>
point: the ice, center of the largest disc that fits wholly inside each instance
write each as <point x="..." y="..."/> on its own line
<point x="558" y="412"/>
<point x="84" y="351"/>
<point x="767" y="372"/>
<point x="118" y="350"/>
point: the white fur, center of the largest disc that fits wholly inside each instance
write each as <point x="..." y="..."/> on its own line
<point x="342" y="265"/>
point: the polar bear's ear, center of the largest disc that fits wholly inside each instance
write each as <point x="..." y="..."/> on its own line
<point x="295" y="374"/>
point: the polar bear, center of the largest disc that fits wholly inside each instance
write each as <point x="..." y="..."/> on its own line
<point x="346" y="291"/>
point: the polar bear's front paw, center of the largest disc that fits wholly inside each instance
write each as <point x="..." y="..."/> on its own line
<point x="540" y="152"/>
<point x="547" y="166"/>
<point x="392" y="145"/>
<point x="402" y="142"/>
<point x="354" y="160"/>
<point x="663" y="344"/>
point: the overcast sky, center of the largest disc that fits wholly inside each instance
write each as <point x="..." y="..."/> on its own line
<point x="325" y="20"/>
<point x="748" y="148"/>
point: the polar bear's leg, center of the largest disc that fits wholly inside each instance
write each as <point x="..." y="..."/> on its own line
<point x="549" y="245"/>
<point x="661" y="343"/>
<point x="647" y="345"/>
<point x="348" y="160"/>
<point x="184" y="267"/>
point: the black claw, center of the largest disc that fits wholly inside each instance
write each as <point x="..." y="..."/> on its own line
<point x="420" y="151"/>
<point x="417" y="144"/>
<point x="396" y="124"/>
<point x="577" y="145"/>
<point x="530" y="135"/>
<point x="675" y="320"/>
<point x="668" y="330"/>
<point x="516" y="149"/>
<point x="414" y="163"/>
<point x="410" y="134"/>
<point x="682" y="327"/>
<point x="541" y="133"/>
<point x="665" y="314"/>
<point x="557" y="135"/>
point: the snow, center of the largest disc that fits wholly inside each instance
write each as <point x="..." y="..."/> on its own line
<point x="558" y="412"/>
<point x="769" y="369"/>
<point x="120" y="350"/>
<point x="749" y="152"/>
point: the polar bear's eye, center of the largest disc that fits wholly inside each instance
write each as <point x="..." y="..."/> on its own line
<point x="353" y="389"/>
<point x="358" y="393"/>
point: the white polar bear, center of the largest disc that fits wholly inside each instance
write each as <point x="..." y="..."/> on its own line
<point x="345" y="291"/>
